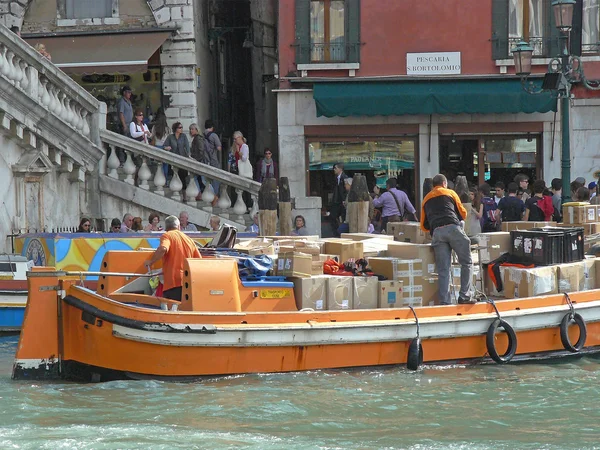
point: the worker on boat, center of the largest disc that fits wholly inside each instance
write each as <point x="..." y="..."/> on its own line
<point x="443" y="215"/>
<point x="175" y="246"/>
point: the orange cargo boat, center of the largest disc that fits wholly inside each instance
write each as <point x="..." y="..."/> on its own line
<point x="226" y="326"/>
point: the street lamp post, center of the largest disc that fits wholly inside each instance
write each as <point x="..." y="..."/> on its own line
<point x="563" y="71"/>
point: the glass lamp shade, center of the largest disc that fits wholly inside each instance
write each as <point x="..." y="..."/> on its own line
<point x="563" y="14"/>
<point x="522" y="53"/>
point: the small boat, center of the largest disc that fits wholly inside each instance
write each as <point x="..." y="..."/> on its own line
<point x="13" y="291"/>
<point x="226" y="325"/>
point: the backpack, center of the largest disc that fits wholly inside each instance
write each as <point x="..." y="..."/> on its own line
<point x="542" y="209"/>
<point x="488" y="220"/>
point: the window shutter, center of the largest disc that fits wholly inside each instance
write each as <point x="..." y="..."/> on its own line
<point x="551" y="33"/>
<point x="302" y="31"/>
<point x="353" y="30"/>
<point x="500" y="29"/>
<point x="576" y="31"/>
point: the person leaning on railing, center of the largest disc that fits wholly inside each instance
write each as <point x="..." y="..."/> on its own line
<point x="178" y="143"/>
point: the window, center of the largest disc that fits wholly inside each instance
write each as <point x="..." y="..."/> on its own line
<point x="327" y="31"/>
<point x="88" y="9"/>
<point x="529" y="20"/>
<point x="526" y="21"/>
<point x="589" y="28"/>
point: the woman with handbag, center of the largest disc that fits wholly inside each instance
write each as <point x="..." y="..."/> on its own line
<point x="242" y="155"/>
<point x="138" y="130"/>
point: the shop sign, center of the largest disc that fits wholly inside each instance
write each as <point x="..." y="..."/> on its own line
<point x="439" y="63"/>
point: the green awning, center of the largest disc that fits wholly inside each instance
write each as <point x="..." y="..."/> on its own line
<point x="396" y="98"/>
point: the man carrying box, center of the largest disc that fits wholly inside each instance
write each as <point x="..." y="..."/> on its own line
<point x="441" y="214"/>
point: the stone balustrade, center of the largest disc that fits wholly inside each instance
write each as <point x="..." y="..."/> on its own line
<point x="144" y="168"/>
<point x="27" y="71"/>
<point x="46" y="110"/>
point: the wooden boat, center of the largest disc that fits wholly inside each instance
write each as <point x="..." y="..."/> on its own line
<point x="13" y="291"/>
<point x="227" y="326"/>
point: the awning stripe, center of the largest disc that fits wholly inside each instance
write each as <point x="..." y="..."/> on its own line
<point x="397" y="98"/>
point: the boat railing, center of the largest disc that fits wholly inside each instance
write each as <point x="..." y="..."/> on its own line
<point x="85" y="273"/>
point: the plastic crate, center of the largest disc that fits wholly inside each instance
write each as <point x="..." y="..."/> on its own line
<point x="540" y="247"/>
<point x="572" y="242"/>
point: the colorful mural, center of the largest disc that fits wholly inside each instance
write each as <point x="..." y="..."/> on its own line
<point x="84" y="252"/>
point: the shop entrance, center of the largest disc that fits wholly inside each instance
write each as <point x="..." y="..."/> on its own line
<point x="490" y="159"/>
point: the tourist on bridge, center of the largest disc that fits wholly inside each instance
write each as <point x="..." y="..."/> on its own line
<point x="138" y="130"/>
<point x="127" y="223"/>
<point x="267" y="167"/>
<point x="125" y="110"/>
<point x="153" y="223"/>
<point x="178" y="143"/>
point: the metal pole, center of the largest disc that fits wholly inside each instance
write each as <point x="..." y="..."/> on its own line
<point x="565" y="105"/>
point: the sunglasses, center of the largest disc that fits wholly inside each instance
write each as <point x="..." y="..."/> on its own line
<point x="268" y="153"/>
<point x="86" y="225"/>
<point x="140" y="115"/>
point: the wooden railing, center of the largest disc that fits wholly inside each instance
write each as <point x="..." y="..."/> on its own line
<point x="144" y="168"/>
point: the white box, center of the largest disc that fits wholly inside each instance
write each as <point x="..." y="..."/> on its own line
<point x="339" y="293"/>
<point x="365" y="292"/>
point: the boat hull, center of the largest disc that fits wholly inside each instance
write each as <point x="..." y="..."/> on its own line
<point x="102" y="339"/>
<point x="12" y="310"/>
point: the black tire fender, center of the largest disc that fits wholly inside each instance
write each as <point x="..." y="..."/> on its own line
<point x="491" y="343"/>
<point x="564" y="332"/>
<point x="415" y="354"/>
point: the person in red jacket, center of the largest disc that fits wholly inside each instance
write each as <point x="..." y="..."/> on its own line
<point x="443" y="215"/>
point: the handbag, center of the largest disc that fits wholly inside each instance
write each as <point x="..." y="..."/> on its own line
<point x="245" y="169"/>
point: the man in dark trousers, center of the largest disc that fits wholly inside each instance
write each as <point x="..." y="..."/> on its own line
<point x="443" y="215"/>
<point x="337" y="210"/>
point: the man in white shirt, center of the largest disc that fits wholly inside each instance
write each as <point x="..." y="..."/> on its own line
<point x="184" y="222"/>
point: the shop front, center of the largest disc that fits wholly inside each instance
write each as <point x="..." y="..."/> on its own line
<point x="491" y="158"/>
<point x="378" y="153"/>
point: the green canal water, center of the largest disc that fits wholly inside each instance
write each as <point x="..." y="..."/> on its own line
<point x="526" y="406"/>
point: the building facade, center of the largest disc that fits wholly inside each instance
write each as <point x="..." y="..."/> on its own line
<point x="405" y="90"/>
<point x="197" y="59"/>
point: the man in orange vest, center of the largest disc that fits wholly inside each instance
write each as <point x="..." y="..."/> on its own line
<point x="443" y="215"/>
<point x="174" y="248"/>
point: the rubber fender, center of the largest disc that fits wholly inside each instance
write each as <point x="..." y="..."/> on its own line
<point x="491" y="342"/>
<point x="415" y="354"/>
<point x="564" y="332"/>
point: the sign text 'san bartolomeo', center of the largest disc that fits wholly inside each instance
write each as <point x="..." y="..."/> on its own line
<point x="446" y="63"/>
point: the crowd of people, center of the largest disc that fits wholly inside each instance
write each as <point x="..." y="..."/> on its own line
<point x="205" y="147"/>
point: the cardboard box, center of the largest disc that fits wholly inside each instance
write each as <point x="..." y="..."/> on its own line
<point x="366" y="290"/>
<point x="317" y="268"/>
<point x="302" y="246"/>
<point x="588" y="228"/>
<point x="365" y="236"/>
<point x="254" y="247"/>
<point x="375" y="246"/>
<point x="525" y="225"/>
<point x="395" y="268"/>
<point x="424" y="252"/>
<point x="493" y="245"/>
<point x="429" y="291"/>
<point x="575" y="276"/>
<point x="579" y="212"/>
<point x="489" y="287"/>
<point x="390" y="294"/>
<point x="339" y="293"/>
<point x="406" y="232"/>
<point x="346" y="249"/>
<point x="294" y="264"/>
<point x="519" y="283"/>
<point x="311" y="293"/>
